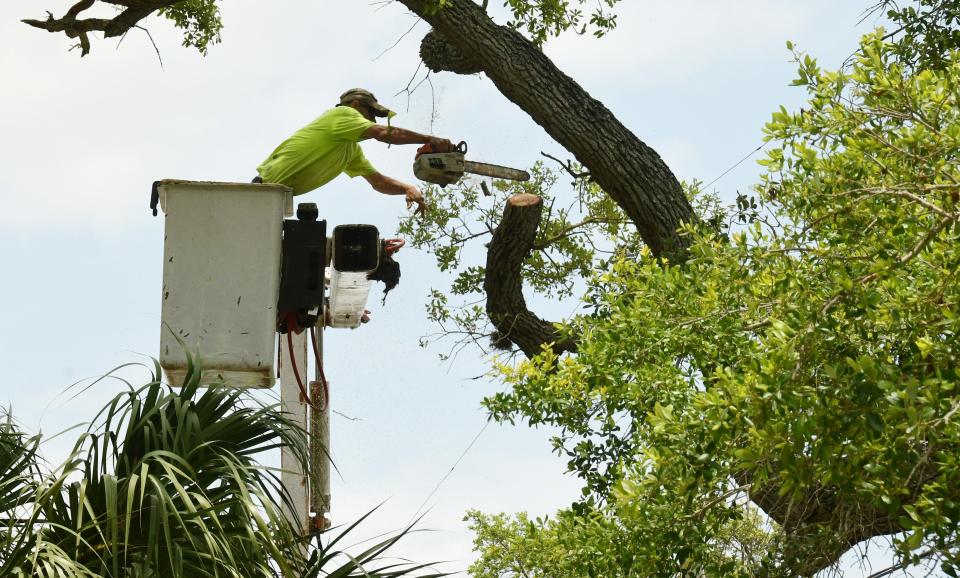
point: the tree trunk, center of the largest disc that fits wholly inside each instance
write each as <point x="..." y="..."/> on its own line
<point x="628" y="170"/>
<point x="503" y="284"/>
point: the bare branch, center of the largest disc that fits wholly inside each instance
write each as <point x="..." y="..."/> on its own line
<point x="568" y="166"/>
<point x="150" y="36"/>
<point x="73" y="27"/>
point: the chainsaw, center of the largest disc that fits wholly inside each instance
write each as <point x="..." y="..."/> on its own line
<point x="447" y="168"/>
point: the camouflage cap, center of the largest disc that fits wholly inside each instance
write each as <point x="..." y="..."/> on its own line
<point x="367" y="98"/>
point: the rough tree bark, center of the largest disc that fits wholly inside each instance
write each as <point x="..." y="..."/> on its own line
<point x="506" y="307"/>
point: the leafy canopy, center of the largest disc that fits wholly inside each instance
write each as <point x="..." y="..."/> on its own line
<point x="804" y="361"/>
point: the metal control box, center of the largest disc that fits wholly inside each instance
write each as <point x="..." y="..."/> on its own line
<point x="221" y="279"/>
<point x="304" y="259"/>
<point x="356" y="252"/>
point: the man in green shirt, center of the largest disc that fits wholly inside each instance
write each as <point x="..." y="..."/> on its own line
<point x="328" y="146"/>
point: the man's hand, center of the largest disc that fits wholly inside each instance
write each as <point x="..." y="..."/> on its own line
<point x="390" y="186"/>
<point x="442" y="145"/>
<point x="413" y="195"/>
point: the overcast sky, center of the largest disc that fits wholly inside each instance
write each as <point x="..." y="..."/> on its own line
<point x="82" y="140"/>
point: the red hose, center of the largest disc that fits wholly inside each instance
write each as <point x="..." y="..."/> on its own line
<point x="293" y="364"/>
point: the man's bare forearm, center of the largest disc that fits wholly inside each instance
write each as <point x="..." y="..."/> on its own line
<point x="387" y="185"/>
<point x="397" y="135"/>
<point x="391" y="186"/>
<point x="402" y="136"/>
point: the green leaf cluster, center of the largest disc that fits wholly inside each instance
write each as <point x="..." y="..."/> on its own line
<point x="541" y="19"/>
<point x="926" y="32"/>
<point x="199" y="20"/>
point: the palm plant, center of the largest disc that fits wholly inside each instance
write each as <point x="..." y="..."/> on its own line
<point x="165" y="482"/>
<point x="24" y="549"/>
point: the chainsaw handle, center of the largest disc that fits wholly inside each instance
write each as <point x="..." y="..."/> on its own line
<point x="428" y="148"/>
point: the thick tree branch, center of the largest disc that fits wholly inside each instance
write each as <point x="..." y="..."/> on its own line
<point x="511" y="243"/>
<point x="74" y="27"/>
<point x="628" y="170"/>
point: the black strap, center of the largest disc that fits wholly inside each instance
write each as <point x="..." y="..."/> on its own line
<point x="154" y="197"/>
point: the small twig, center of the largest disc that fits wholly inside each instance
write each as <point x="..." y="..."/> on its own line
<point x="470" y="237"/>
<point x="907" y="562"/>
<point x="402" y="36"/>
<point x="951" y="413"/>
<point x="155" y="48"/>
<point x="345" y="416"/>
<point x="925" y="241"/>
<point x="900" y="191"/>
<point x="720" y="498"/>
<point x="569" y="229"/>
<point x="381" y="4"/>
<point x="410" y="82"/>
<point x="568" y="167"/>
<point x="433" y="101"/>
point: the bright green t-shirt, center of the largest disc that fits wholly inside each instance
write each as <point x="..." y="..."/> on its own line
<point x="320" y="151"/>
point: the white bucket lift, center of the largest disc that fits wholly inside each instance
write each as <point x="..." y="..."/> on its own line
<point x="222" y="259"/>
<point x="221" y="279"/>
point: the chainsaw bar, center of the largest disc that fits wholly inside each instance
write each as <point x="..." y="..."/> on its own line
<point x="445" y="168"/>
<point x="495" y="171"/>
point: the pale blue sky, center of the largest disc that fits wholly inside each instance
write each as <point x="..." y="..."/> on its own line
<point x="82" y="139"/>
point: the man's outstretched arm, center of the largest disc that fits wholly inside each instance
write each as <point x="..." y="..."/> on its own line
<point x="401" y="136"/>
<point x="391" y="186"/>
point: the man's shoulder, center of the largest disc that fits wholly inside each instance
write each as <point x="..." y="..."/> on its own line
<point x="339" y="124"/>
<point x="342" y="111"/>
<point x="332" y="119"/>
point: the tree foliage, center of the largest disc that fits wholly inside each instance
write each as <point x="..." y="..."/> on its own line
<point x="542" y="19"/>
<point x="199" y="20"/>
<point x="805" y="365"/>
<point x="925" y="32"/>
